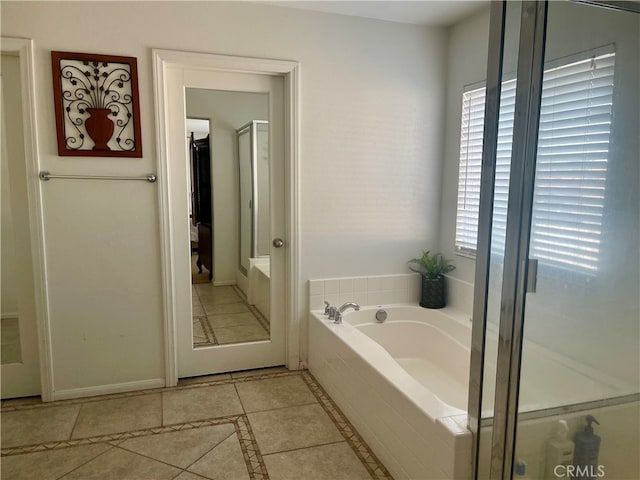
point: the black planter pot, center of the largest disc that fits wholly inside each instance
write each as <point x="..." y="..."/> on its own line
<point x="433" y="292"/>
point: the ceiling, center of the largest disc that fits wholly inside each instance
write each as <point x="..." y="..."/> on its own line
<point x="419" y="12"/>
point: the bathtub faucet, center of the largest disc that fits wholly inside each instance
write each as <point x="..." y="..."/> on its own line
<point x="329" y="310"/>
<point x="341" y="310"/>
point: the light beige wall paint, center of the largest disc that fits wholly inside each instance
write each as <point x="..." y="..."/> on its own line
<point x="226" y="111"/>
<point x="467" y="53"/>
<point x="372" y="99"/>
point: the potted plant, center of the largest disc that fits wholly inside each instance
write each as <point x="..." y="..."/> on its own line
<point x="432" y="269"/>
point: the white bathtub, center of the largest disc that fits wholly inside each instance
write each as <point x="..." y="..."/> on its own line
<point x="260" y="285"/>
<point x="402" y="383"/>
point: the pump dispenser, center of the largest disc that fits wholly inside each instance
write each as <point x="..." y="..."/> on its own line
<point x="520" y="470"/>
<point x="559" y="452"/>
<point x="587" y="450"/>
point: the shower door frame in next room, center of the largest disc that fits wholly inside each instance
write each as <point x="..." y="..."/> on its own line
<point x="518" y="271"/>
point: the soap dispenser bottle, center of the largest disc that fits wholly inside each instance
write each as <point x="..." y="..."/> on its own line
<point x="520" y="470"/>
<point x="587" y="449"/>
<point x="560" y="452"/>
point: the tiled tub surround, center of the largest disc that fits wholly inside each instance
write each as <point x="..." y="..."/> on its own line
<point x="402" y="384"/>
<point x="259" y="291"/>
<point x="385" y="289"/>
<point x="269" y="424"/>
<point x="364" y="290"/>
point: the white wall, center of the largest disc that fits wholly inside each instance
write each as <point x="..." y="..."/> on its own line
<point x="371" y="135"/>
<point x="587" y="319"/>
<point x="226" y="111"/>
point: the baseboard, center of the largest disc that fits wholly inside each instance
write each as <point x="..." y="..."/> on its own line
<point x="108" y="389"/>
<point x="8" y="315"/>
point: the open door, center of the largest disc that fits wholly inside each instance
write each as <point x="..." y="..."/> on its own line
<point x="19" y="354"/>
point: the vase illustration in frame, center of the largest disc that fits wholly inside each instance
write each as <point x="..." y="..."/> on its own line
<point x="96" y="105"/>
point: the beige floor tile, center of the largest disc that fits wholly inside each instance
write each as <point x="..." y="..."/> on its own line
<point x="203" y="379"/>
<point x="17" y="402"/>
<point x="38" y="425"/>
<point x="212" y="308"/>
<point x="119" y="415"/>
<point x="180" y="448"/>
<point x="198" y="310"/>
<point x="210" y="288"/>
<point x="232" y="320"/>
<point x="328" y="462"/>
<point x="274" y="393"/>
<point x="189" y="476"/>
<point x="296" y="437"/>
<point x="225" y="462"/>
<point x="258" y="371"/>
<point x="118" y="464"/>
<point x="218" y="295"/>
<point x="294" y="427"/>
<point x="187" y="405"/>
<point x="198" y="278"/>
<point x="199" y="336"/>
<point x="49" y="465"/>
<point x="240" y="334"/>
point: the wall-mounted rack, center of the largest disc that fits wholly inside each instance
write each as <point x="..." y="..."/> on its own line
<point x="45" y="176"/>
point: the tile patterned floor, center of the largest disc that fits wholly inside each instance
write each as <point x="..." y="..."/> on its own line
<point x="221" y="315"/>
<point x="258" y="425"/>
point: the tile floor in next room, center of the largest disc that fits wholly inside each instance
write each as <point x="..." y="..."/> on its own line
<point x="261" y="424"/>
<point x="221" y="315"/>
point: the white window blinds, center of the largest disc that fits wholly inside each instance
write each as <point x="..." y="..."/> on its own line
<point x="573" y="146"/>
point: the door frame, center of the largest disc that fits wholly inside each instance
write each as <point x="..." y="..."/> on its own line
<point x="214" y="63"/>
<point x="531" y="45"/>
<point x="23" y="49"/>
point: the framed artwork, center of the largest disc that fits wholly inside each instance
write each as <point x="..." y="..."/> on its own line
<point x="96" y="105"/>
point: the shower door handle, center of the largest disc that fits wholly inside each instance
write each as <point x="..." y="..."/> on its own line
<point x="532" y="275"/>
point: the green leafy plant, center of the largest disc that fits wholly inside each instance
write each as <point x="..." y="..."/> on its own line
<point x="431" y="266"/>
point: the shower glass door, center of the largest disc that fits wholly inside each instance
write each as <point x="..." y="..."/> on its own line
<point x="558" y="276"/>
<point x="581" y="334"/>
<point x="498" y="142"/>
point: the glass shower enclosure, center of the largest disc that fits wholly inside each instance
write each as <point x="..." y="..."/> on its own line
<point x="556" y="335"/>
<point x="253" y="175"/>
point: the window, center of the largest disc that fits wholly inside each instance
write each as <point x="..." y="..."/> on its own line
<point x="573" y="147"/>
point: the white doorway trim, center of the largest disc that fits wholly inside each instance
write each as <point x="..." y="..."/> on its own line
<point x="23" y="49"/>
<point x="290" y="71"/>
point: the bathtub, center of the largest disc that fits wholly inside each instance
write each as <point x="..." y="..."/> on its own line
<point x="402" y="383"/>
<point x="260" y="285"/>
